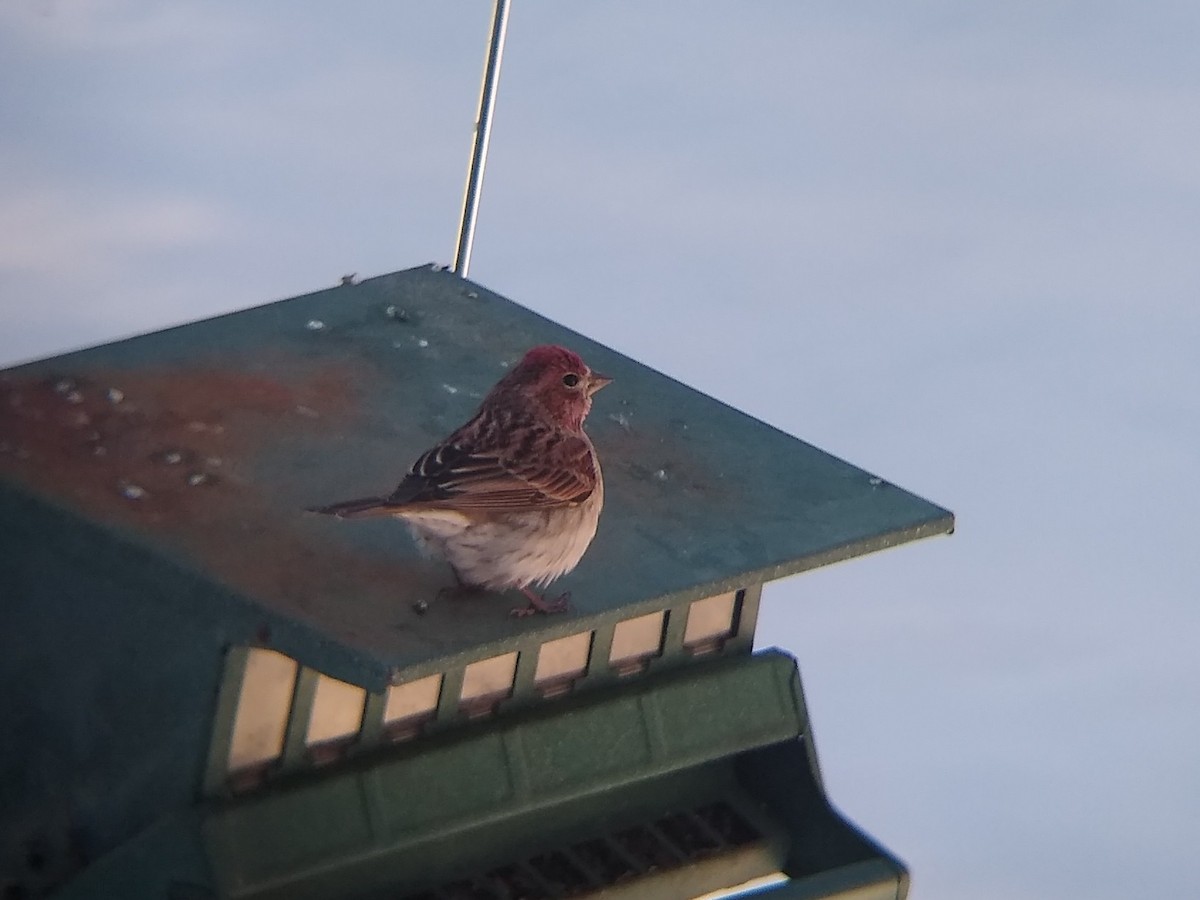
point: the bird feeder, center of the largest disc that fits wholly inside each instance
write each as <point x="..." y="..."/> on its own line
<point x="211" y="693"/>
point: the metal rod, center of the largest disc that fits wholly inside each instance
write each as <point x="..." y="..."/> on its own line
<point x="483" y="133"/>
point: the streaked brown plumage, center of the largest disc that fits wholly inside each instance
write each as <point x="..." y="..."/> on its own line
<point x="512" y="498"/>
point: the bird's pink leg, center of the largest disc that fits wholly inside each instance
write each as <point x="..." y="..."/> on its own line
<point x="539" y="604"/>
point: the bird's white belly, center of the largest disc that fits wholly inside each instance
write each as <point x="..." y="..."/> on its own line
<point x="513" y="550"/>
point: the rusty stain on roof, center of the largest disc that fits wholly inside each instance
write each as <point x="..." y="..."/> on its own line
<point x="174" y="455"/>
<point x="164" y="447"/>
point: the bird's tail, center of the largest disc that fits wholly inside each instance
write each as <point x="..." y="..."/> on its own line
<point x="357" y="509"/>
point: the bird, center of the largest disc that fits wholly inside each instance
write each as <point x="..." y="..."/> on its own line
<point x="512" y="498"/>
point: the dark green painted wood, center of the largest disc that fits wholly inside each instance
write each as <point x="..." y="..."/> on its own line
<point x="216" y="770"/>
<point x="574" y="750"/>
<point x="747" y="619"/>
<point x="872" y="879"/>
<point x="151" y="518"/>
<point x="295" y="751"/>
<point x="333" y="394"/>
<point x="108" y="693"/>
<point x="372" y="721"/>
<point x="501" y="792"/>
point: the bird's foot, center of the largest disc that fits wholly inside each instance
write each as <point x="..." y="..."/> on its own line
<point x="539" y="604"/>
<point x="457" y="591"/>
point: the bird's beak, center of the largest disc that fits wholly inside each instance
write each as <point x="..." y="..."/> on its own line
<point x="597" y="381"/>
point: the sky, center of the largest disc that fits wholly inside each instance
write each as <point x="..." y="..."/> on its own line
<point x="954" y="244"/>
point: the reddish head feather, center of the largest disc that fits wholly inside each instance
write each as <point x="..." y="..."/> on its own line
<point x="538" y="381"/>
<point x="551" y="355"/>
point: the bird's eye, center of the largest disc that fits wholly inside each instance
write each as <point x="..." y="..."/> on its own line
<point x="571" y="380"/>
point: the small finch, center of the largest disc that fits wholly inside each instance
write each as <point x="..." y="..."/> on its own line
<point x="512" y="498"/>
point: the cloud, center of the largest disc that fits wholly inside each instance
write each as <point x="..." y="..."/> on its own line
<point x="49" y="231"/>
<point x="119" y="26"/>
<point x="74" y="264"/>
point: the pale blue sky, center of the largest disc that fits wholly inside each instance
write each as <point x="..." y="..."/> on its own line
<point x="953" y="244"/>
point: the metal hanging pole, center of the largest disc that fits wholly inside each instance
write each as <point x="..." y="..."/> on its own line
<point x="483" y="133"/>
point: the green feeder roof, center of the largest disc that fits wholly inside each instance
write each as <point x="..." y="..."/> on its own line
<point x="190" y="455"/>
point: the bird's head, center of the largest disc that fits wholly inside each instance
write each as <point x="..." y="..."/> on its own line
<point x="559" y="381"/>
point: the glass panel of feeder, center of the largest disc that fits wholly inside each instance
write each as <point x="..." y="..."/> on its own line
<point x="337" y="710"/>
<point x="412" y="699"/>
<point x="489" y="677"/>
<point x="262" y="710"/>
<point x="637" y="638"/>
<point x="563" y="658"/>
<point x="710" y="619"/>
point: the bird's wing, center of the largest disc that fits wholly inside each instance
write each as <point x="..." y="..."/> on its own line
<point x="550" y="469"/>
